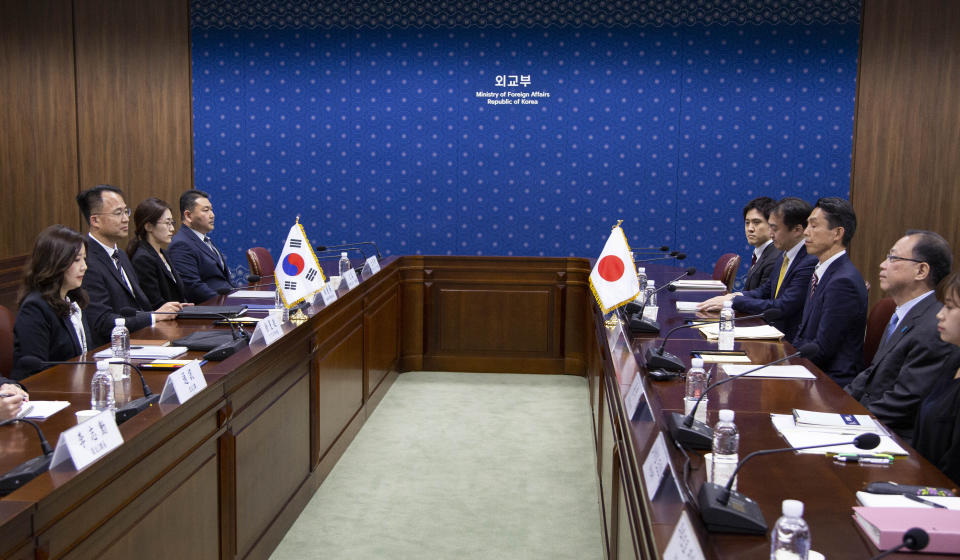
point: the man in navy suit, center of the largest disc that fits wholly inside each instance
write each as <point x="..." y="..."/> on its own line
<point x="835" y="314"/>
<point x="201" y="265"/>
<point x="110" y="281"/>
<point x="911" y="358"/>
<point x="756" y="227"/>
<point x="787" y="286"/>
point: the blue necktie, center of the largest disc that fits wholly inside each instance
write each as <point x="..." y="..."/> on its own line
<point x="891" y="327"/>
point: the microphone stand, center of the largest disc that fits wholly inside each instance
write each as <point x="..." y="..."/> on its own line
<point x="727" y="511"/>
<point x="638" y="323"/>
<point x="660" y="359"/>
<point x="28" y="470"/>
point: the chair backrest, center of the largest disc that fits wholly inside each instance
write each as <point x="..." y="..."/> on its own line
<point x="876" y="324"/>
<point x="6" y="341"/>
<point x="726" y="269"/>
<point x="261" y="261"/>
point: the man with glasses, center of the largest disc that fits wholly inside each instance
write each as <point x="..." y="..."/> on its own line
<point x="110" y="280"/>
<point x="911" y="357"/>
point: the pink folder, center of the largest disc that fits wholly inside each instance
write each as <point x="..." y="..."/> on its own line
<point x="885" y="526"/>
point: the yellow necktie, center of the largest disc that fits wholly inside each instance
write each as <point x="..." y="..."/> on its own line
<point x="783" y="271"/>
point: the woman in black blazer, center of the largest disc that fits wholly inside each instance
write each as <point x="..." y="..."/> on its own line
<point x="50" y="323"/>
<point x="154" y="228"/>
<point x="937" y="433"/>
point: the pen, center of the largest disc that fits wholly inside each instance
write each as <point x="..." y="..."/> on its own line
<point x="7" y="395"/>
<point x="923" y="501"/>
<point x="864" y="460"/>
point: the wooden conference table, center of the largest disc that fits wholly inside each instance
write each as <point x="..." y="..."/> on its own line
<point x="225" y="474"/>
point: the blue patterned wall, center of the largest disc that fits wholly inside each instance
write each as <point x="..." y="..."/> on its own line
<point x="366" y="120"/>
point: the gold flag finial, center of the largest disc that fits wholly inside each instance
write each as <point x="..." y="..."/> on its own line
<point x="617" y="224"/>
<point x="298" y="219"/>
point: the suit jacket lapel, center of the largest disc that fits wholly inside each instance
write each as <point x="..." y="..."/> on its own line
<point x="107" y="260"/>
<point x="68" y="325"/>
<point x="904" y="326"/>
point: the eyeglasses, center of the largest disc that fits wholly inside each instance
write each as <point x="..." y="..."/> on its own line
<point x="894" y="258"/>
<point x="168" y="223"/>
<point x="116" y="213"/>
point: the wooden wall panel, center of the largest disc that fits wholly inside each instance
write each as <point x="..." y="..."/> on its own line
<point x="38" y="146"/>
<point x="906" y="170"/>
<point x="133" y="97"/>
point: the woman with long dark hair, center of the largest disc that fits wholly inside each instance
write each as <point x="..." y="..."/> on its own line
<point x="50" y="323"/>
<point x="154" y="227"/>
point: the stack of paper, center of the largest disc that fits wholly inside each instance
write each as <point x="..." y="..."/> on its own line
<point x="798" y="436"/>
<point x="146" y="352"/>
<point x="687" y="306"/>
<point x="763" y="332"/>
<point x="832" y="421"/>
<point x="899" y="500"/>
<point x="780" y="372"/>
<point x="704" y="285"/>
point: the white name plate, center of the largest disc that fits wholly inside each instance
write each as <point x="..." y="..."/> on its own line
<point x="655" y="466"/>
<point x="650" y="312"/>
<point x="370" y="267"/>
<point x="328" y="294"/>
<point x="269" y="329"/>
<point x="635" y="396"/>
<point x="183" y="384"/>
<point x="684" y="544"/>
<point x="350" y="277"/>
<point x="86" y="443"/>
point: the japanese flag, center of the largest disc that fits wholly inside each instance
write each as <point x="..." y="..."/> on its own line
<point x="298" y="274"/>
<point x="613" y="279"/>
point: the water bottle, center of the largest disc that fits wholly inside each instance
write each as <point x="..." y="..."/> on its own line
<point x="790" y="538"/>
<point x="642" y="282"/>
<point x="696" y="385"/>
<point x="281" y="309"/>
<point x="726" y="441"/>
<point x="101" y="388"/>
<point x="344" y="264"/>
<point x="650" y="295"/>
<point x="120" y="347"/>
<point x="725" y="342"/>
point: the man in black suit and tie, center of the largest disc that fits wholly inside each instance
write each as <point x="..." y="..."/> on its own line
<point x="201" y="265"/>
<point x="786" y="288"/>
<point x="755" y="226"/>
<point x="911" y="358"/>
<point x="110" y="280"/>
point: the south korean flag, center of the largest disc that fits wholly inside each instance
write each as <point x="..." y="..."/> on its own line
<point x="297" y="273"/>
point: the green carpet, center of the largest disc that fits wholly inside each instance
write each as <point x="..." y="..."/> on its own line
<point x="462" y="465"/>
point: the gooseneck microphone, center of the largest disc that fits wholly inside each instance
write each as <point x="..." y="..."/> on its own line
<point x="724" y="510"/>
<point x="355" y="246"/>
<point x="692" y="434"/>
<point x="124" y="412"/>
<point x="650" y="250"/>
<point x="639" y="324"/>
<point x="914" y="539"/>
<point x="28" y="470"/>
<point x="658" y="358"/>
<point x="673" y="255"/>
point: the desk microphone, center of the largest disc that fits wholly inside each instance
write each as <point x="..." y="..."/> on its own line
<point x="914" y="539"/>
<point x="324" y="248"/>
<point x="692" y="434"/>
<point x="240" y="337"/>
<point x="673" y="255"/>
<point x="650" y="250"/>
<point x="125" y="412"/>
<point x="28" y="470"/>
<point x="657" y="358"/>
<point x="727" y="511"/>
<point x="638" y="324"/>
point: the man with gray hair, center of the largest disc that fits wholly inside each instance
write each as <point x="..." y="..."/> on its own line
<point x="911" y="357"/>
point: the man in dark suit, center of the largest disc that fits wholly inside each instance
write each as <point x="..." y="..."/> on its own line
<point x="110" y="280"/>
<point x="786" y="288"/>
<point x="757" y="229"/>
<point x="911" y="357"/>
<point x="835" y="314"/>
<point x="201" y="265"/>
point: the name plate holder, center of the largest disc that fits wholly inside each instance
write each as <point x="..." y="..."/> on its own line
<point x="636" y="401"/>
<point x="269" y="329"/>
<point x="326" y="294"/>
<point x="656" y="467"/>
<point x="683" y="544"/>
<point x="370" y="267"/>
<point x="350" y="279"/>
<point x="183" y="384"/>
<point x="85" y="443"/>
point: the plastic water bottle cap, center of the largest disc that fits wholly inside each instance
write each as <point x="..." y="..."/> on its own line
<point x="103" y="365"/>
<point x="726" y="415"/>
<point x="642" y="270"/>
<point x="696" y="363"/>
<point x="793" y="508"/>
<point x="343" y="254"/>
<point x="650" y="283"/>
<point x="119" y="322"/>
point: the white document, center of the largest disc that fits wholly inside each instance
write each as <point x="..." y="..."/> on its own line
<point x="703" y="285"/>
<point x="799" y="437"/>
<point x="45" y="409"/>
<point x="897" y="500"/>
<point x="687" y="306"/>
<point x="779" y="372"/>
<point x="835" y="421"/>
<point x="146" y="352"/>
<point x="254" y="294"/>
<point x="762" y="332"/>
